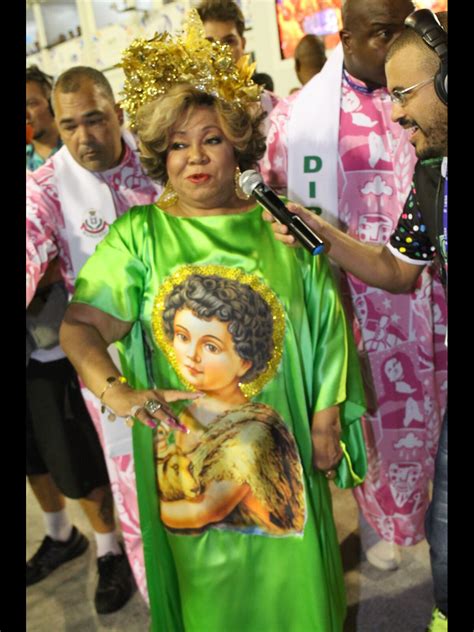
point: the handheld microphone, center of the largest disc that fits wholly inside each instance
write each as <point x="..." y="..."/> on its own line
<point x="252" y="183"/>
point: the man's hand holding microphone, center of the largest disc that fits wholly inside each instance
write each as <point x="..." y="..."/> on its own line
<point x="294" y="225"/>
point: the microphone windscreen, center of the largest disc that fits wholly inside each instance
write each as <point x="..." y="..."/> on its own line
<point x="249" y="180"/>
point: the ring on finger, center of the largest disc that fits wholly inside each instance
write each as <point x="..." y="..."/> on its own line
<point x="152" y="406"/>
<point x="330" y="474"/>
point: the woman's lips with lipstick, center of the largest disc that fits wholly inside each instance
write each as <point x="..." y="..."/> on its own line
<point x="199" y="178"/>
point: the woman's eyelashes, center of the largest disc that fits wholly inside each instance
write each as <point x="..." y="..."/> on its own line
<point x="212" y="140"/>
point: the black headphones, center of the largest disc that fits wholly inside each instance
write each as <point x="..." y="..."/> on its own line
<point x="33" y="73"/>
<point x="427" y="25"/>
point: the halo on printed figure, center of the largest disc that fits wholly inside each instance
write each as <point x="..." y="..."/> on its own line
<point x="226" y="283"/>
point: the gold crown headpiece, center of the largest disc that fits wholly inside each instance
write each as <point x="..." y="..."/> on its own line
<point x="152" y="66"/>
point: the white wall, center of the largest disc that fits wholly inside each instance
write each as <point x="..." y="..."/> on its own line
<point x="104" y="49"/>
<point x="105" y="15"/>
<point x="31" y="30"/>
<point x="59" y="18"/>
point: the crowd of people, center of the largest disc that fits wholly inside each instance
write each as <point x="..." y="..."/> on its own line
<point x="190" y="366"/>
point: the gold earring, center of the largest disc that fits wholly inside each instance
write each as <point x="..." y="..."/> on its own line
<point x="168" y="197"/>
<point x="238" y="191"/>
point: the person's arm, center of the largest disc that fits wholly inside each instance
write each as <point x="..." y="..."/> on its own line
<point x="219" y="499"/>
<point x="52" y="274"/>
<point x="41" y="244"/>
<point x="325" y="435"/>
<point x="337" y="394"/>
<point x="85" y="334"/>
<point x="374" y="265"/>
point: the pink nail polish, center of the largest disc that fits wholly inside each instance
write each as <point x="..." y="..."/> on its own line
<point x="151" y="423"/>
<point x="175" y="424"/>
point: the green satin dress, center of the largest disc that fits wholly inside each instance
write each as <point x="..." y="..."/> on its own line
<point x="230" y="576"/>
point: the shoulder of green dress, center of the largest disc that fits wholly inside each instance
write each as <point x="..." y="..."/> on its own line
<point x="135" y="215"/>
<point x="140" y="212"/>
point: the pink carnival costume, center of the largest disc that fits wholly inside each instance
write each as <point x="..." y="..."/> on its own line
<point x="69" y="210"/>
<point x="400" y="337"/>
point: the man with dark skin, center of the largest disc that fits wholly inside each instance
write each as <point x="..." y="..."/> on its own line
<point x="362" y="175"/>
<point x="370" y="27"/>
<point x="419" y="105"/>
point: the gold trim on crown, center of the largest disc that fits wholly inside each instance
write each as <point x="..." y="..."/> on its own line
<point x="152" y="66"/>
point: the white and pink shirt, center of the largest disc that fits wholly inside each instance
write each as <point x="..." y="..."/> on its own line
<point x="54" y="230"/>
<point x="46" y="233"/>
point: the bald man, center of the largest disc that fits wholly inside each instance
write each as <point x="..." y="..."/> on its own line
<point x="334" y="148"/>
<point x="310" y="58"/>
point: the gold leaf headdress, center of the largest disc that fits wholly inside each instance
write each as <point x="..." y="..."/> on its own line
<point x="152" y="66"/>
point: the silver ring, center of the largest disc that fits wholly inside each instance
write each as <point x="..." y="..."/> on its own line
<point x="152" y="405"/>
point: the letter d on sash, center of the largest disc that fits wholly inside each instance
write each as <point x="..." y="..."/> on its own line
<point x="312" y="164"/>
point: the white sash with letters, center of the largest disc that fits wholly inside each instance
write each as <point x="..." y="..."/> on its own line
<point x="313" y="139"/>
<point x="88" y="209"/>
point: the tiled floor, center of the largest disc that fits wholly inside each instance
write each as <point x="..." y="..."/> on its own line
<point x="395" y="601"/>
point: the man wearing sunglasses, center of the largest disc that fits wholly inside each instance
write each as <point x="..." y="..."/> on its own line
<point x="416" y="70"/>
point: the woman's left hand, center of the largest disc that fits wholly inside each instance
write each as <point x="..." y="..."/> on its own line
<point x="325" y="435"/>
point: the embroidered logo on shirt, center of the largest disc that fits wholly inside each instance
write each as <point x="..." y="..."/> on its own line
<point x="94" y="225"/>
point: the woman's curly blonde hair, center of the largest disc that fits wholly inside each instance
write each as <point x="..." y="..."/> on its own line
<point x="156" y="119"/>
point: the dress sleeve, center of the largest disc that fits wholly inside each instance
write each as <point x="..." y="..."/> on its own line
<point x="112" y="279"/>
<point x="410" y="241"/>
<point x="336" y="374"/>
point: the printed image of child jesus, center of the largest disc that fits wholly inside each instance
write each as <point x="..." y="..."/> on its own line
<point x="239" y="466"/>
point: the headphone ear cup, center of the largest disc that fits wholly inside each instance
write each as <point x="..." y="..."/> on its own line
<point x="426" y="24"/>
<point x="441" y="84"/>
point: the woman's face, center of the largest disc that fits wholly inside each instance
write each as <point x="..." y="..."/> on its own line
<point x="200" y="161"/>
<point x="394" y="370"/>
<point x="205" y="352"/>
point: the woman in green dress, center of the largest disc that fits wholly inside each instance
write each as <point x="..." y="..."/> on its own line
<point x="238" y="348"/>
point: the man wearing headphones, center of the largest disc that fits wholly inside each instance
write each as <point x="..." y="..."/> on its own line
<point x="417" y="80"/>
<point x="45" y="140"/>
